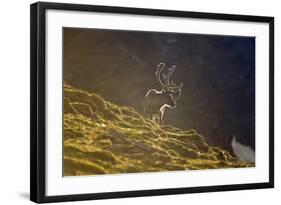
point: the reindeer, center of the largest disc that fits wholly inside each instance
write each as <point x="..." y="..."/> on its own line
<point x="156" y="101"/>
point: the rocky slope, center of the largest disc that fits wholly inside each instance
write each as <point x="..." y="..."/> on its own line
<point x="103" y="138"/>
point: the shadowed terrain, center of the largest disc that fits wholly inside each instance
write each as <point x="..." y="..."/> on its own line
<point x="104" y="138"/>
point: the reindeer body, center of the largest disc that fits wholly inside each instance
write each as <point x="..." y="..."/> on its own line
<point x="156" y="102"/>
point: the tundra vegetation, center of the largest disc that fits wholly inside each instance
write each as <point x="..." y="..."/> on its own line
<point x="103" y="138"/>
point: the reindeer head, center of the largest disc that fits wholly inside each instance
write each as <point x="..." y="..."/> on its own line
<point x="168" y="87"/>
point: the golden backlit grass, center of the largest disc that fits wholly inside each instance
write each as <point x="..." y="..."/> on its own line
<point x="103" y="138"/>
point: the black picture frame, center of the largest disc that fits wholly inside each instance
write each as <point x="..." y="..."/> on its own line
<point x="38" y="101"/>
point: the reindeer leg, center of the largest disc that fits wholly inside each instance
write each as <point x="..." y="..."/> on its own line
<point x="157" y="119"/>
<point x="161" y="118"/>
<point x="151" y="117"/>
<point x="161" y="115"/>
<point x="154" y="118"/>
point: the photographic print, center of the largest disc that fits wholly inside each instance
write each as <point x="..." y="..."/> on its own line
<point x="139" y="101"/>
<point x="131" y="102"/>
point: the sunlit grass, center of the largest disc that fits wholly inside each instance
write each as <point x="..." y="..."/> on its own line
<point x="103" y="138"/>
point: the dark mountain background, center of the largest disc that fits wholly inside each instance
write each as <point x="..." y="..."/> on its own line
<point x="218" y="73"/>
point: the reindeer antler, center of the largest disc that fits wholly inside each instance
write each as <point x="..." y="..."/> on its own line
<point x="167" y="77"/>
<point x="174" y="87"/>
<point x="165" y="82"/>
<point x="158" y="73"/>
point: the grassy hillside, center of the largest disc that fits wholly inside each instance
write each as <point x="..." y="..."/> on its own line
<point x="103" y="138"/>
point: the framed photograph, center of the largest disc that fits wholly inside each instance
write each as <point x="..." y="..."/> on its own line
<point x="129" y="102"/>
